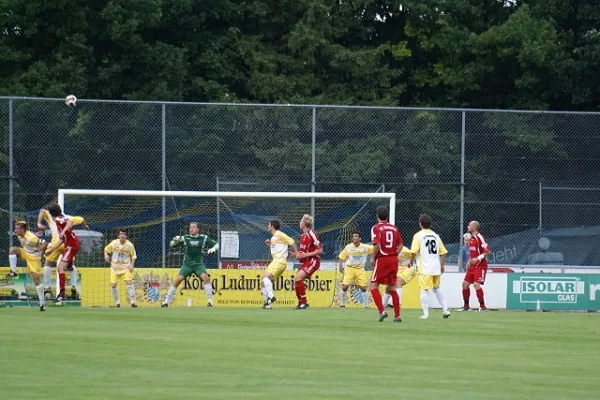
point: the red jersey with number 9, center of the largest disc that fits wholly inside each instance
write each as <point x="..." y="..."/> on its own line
<point x="388" y="237"/>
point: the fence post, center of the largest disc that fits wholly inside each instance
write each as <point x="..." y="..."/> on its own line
<point x="164" y="184"/>
<point x="462" y="176"/>
<point x="313" y="179"/>
<point x="11" y="172"/>
<point x="219" y="227"/>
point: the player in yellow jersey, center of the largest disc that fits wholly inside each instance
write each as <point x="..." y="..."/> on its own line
<point x="120" y="253"/>
<point x="406" y="273"/>
<point x="279" y="245"/>
<point x="53" y="257"/>
<point x="430" y="252"/>
<point x="354" y="255"/>
<point x="31" y="252"/>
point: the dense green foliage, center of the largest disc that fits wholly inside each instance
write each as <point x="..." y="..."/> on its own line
<point x="477" y="53"/>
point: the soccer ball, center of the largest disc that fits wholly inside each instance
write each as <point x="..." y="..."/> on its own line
<point x="71" y="100"/>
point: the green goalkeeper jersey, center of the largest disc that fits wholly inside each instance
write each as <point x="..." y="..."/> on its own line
<point x="194" y="247"/>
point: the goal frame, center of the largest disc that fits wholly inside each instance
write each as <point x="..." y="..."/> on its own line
<point x="390" y="196"/>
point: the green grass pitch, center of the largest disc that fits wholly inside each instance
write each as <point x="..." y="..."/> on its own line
<point x="229" y="353"/>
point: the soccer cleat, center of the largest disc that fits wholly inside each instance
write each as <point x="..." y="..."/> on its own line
<point x="164" y="305"/>
<point x="118" y="305"/>
<point x="59" y="299"/>
<point x="463" y="309"/>
<point x="446" y="315"/>
<point x="483" y="309"/>
<point x="389" y="306"/>
<point x="11" y="274"/>
<point x="134" y="305"/>
<point x="302" y="306"/>
<point x="209" y="305"/>
<point x="43" y="307"/>
<point x="73" y="292"/>
<point x="342" y="306"/>
<point x="267" y="307"/>
<point x="272" y="300"/>
<point x="382" y="316"/>
<point x="423" y="317"/>
<point x="397" y="319"/>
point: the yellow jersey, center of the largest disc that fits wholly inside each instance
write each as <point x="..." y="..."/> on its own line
<point x="29" y="242"/>
<point x="279" y="245"/>
<point x="404" y="258"/>
<point x="356" y="256"/>
<point x="122" y="255"/>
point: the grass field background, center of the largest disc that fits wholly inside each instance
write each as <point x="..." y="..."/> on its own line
<point x="229" y="353"/>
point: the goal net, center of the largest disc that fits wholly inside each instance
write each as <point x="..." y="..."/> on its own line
<point x="237" y="220"/>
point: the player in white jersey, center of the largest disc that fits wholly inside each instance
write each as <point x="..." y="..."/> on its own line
<point x="30" y="252"/>
<point x="279" y="245"/>
<point x="354" y="255"/>
<point x="429" y="250"/>
<point x="120" y="253"/>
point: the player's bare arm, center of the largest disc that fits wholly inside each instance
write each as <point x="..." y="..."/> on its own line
<point x="443" y="262"/>
<point x="294" y="251"/>
<point x="40" y="219"/>
<point x="375" y="251"/>
<point x="55" y="246"/>
<point x="340" y="265"/>
<point x="268" y="242"/>
<point x="302" y="254"/>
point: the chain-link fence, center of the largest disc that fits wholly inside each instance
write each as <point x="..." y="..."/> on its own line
<point x="524" y="175"/>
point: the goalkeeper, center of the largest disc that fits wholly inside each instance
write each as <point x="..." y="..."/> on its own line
<point x="194" y="247"/>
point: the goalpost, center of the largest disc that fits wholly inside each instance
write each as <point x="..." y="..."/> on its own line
<point x="237" y="220"/>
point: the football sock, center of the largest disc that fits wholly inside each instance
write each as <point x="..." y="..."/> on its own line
<point x="343" y="299"/>
<point x="386" y="299"/>
<point x="170" y="294"/>
<point x="47" y="276"/>
<point x="301" y="292"/>
<point x="396" y="303"/>
<point x="62" y="279"/>
<point x="399" y="291"/>
<point x="466" y="294"/>
<point x="425" y="302"/>
<point x="268" y="287"/>
<point x="115" y="294"/>
<point x="40" y="292"/>
<point x="479" y="293"/>
<point x="208" y="289"/>
<point x="376" y="295"/>
<point x="74" y="276"/>
<point x="365" y="299"/>
<point x="12" y="261"/>
<point x="441" y="299"/>
<point x="131" y="293"/>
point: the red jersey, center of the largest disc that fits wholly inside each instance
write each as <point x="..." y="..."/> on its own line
<point x="310" y="242"/>
<point x="388" y="237"/>
<point x="478" y="246"/>
<point x="69" y="240"/>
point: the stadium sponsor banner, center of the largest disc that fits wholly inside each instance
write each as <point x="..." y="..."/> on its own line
<point x="451" y="286"/>
<point x="231" y="288"/>
<point x="553" y="291"/>
<point x="20" y="291"/>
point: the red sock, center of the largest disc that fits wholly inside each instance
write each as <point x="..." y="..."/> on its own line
<point x="396" y="303"/>
<point x="62" y="280"/>
<point x="466" y="295"/>
<point x="377" y="299"/>
<point x="479" y="293"/>
<point x="301" y="292"/>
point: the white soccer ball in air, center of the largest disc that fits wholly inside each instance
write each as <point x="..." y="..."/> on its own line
<point x="71" y="100"/>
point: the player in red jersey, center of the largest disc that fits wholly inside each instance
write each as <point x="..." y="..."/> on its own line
<point x="388" y="243"/>
<point x="477" y="267"/>
<point x="310" y="257"/>
<point x="64" y="224"/>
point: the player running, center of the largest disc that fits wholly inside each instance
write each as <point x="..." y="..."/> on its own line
<point x="52" y="258"/>
<point x="309" y="256"/>
<point x="31" y="252"/>
<point x="387" y="241"/>
<point x="194" y="246"/>
<point x="406" y="273"/>
<point x="354" y="255"/>
<point x="477" y="267"/>
<point x="121" y="255"/>
<point x="279" y="245"/>
<point x="69" y="243"/>
<point x="430" y="253"/>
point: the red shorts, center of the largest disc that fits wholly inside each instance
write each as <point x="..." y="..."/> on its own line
<point x="385" y="271"/>
<point x="476" y="275"/>
<point x="69" y="254"/>
<point x="310" y="267"/>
